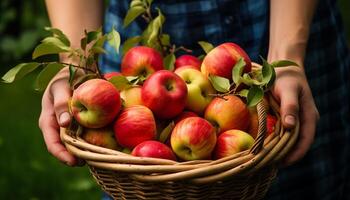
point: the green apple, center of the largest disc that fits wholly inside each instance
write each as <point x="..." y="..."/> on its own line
<point x="199" y="89"/>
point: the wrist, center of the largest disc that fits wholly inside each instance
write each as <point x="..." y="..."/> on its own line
<point x="294" y="51"/>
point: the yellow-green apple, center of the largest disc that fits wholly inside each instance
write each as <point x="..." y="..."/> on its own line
<point x="221" y="60"/>
<point x="109" y="75"/>
<point x="231" y="142"/>
<point x="103" y="137"/>
<point x="199" y="89"/>
<point x="131" y="96"/>
<point x="141" y="61"/>
<point x="188" y="60"/>
<point x="95" y="103"/>
<point x="134" y="125"/>
<point x="226" y="113"/>
<point x="193" y="138"/>
<point x="153" y="149"/>
<point x="164" y="93"/>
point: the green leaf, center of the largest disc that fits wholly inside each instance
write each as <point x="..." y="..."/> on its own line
<point x="165" y="39"/>
<point x="19" y="71"/>
<point x="46" y="75"/>
<point x="135" y="3"/>
<point x="206" y="46"/>
<point x="164" y="135"/>
<point x="93" y="35"/>
<point x="243" y="93"/>
<point x="72" y="72"/>
<point x="129" y="43"/>
<point x="59" y="34"/>
<point x="283" y="63"/>
<point x="83" y="43"/>
<point x="55" y="41"/>
<point x="113" y="39"/>
<point x="272" y="80"/>
<point x="237" y="71"/>
<point x="98" y="50"/>
<point x="48" y="48"/>
<point x="149" y="2"/>
<point x="169" y="62"/>
<point x="132" y="14"/>
<point x="255" y="95"/>
<point x="267" y="72"/>
<point x="155" y="30"/>
<point x="100" y="41"/>
<point x="220" y="84"/>
<point x="82" y="79"/>
<point x="132" y="78"/>
<point x="201" y="57"/>
<point x="246" y="79"/>
<point x="120" y="82"/>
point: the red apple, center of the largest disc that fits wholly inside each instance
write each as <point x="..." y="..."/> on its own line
<point x="109" y="75"/>
<point x="199" y="89"/>
<point x="131" y="96"/>
<point x="231" y="142"/>
<point x="95" y="103"/>
<point x="228" y="113"/>
<point x="103" y="137"/>
<point x="153" y="149"/>
<point x="220" y="60"/>
<point x="270" y="124"/>
<point x="164" y="93"/>
<point x="134" y="125"/>
<point x="193" y="138"/>
<point x="184" y="115"/>
<point x="141" y="61"/>
<point x="188" y="60"/>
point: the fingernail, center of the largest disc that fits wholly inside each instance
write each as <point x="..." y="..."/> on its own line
<point x="64" y="118"/>
<point x="290" y="119"/>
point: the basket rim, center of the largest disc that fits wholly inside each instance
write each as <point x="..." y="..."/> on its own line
<point x="273" y="149"/>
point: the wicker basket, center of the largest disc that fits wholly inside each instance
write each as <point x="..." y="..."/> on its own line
<point x="246" y="175"/>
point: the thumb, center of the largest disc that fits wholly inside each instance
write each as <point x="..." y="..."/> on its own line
<point x="289" y="107"/>
<point x="61" y="93"/>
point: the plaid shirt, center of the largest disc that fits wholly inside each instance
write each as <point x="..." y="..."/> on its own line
<point x="323" y="173"/>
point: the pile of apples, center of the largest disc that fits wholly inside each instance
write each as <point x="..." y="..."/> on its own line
<point x="174" y="115"/>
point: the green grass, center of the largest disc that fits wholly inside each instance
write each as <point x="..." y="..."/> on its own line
<point x="27" y="170"/>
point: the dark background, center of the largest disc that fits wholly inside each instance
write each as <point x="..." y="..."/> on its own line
<point x="27" y="170"/>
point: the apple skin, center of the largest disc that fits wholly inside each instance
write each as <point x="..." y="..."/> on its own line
<point x="134" y="125"/>
<point x="193" y="138"/>
<point x="270" y="124"/>
<point x="153" y="149"/>
<point x="199" y="89"/>
<point x="187" y="60"/>
<point x="184" y="115"/>
<point x="131" y="96"/>
<point x="141" y="61"/>
<point x="95" y="103"/>
<point x="103" y="137"/>
<point x="231" y="142"/>
<point x="220" y="60"/>
<point x="228" y="113"/>
<point x="164" y="93"/>
<point x="109" y="75"/>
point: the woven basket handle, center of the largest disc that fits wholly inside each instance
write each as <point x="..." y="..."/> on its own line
<point x="262" y="110"/>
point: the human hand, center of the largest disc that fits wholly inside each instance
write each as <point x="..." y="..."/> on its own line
<point x="293" y="92"/>
<point x="54" y="114"/>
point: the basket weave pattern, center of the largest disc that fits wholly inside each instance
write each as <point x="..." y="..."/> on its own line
<point x="246" y="175"/>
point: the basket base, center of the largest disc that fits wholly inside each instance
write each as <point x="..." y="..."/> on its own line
<point x="121" y="186"/>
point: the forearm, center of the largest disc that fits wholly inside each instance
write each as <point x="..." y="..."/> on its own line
<point x="75" y="16"/>
<point x="289" y="28"/>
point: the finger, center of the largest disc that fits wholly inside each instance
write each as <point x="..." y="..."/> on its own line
<point x="61" y="93"/>
<point x="308" y="120"/>
<point x="49" y="127"/>
<point x="289" y="97"/>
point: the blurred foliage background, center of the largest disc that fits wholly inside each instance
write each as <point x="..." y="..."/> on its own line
<point x="27" y="170"/>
